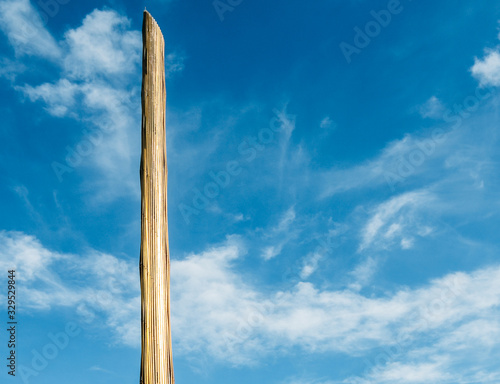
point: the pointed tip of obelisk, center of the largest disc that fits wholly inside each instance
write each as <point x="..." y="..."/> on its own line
<point x="149" y="16"/>
<point x="149" y="23"/>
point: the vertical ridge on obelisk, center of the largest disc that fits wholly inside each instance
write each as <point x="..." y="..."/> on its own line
<point x="156" y="343"/>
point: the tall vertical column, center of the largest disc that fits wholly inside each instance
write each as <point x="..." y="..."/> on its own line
<point x="156" y="343"/>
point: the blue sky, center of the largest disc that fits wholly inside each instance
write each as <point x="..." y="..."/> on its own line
<point x="333" y="178"/>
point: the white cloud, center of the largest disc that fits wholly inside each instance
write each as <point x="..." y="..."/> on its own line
<point x="327" y="123"/>
<point x="295" y="380"/>
<point x="396" y="373"/>
<point x="462" y="354"/>
<point x="112" y="125"/>
<point x="280" y="234"/>
<point x="271" y="251"/>
<point x="432" y="108"/>
<point x="26" y="31"/>
<point x="407" y="243"/>
<point x="100" y="59"/>
<point x="102" y="45"/>
<point x="363" y="273"/>
<point x="59" y="97"/>
<point x="310" y="265"/>
<point x="423" y="158"/>
<point x="217" y="313"/>
<point x="387" y="169"/>
<point x="100" y="62"/>
<point x="99" y="287"/>
<point x="100" y="369"/>
<point x="398" y="217"/>
<point x="288" y="127"/>
<point x="487" y="70"/>
<point x="204" y="285"/>
<point x="27" y="255"/>
<point x="174" y="63"/>
<point x="10" y="69"/>
<point x="286" y="221"/>
<point x="222" y="315"/>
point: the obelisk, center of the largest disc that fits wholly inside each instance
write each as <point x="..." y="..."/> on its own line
<point x="156" y="342"/>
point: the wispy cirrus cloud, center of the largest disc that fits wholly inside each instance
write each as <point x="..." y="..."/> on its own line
<point x="59" y="97"/>
<point x="25" y="30"/>
<point x="432" y="108"/>
<point x="396" y="219"/>
<point x="279" y="235"/>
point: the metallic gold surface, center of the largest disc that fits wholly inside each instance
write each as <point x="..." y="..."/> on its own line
<point x="156" y="343"/>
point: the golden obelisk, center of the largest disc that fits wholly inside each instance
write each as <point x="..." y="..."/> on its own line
<point x="156" y="341"/>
